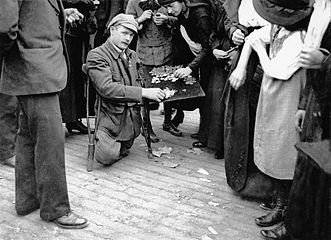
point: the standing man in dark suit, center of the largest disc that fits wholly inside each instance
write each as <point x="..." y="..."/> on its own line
<point x="34" y="68"/>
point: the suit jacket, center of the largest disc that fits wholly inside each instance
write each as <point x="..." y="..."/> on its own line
<point x="120" y="90"/>
<point x="35" y="61"/>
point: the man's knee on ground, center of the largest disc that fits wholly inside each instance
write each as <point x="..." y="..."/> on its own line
<point x="107" y="149"/>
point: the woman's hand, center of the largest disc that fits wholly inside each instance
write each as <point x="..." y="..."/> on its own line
<point x="183" y="72"/>
<point x="311" y="58"/>
<point x="147" y="14"/>
<point x="220" y="54"/>
<point x="160" y="18"/>
<point x="72" y="15"/>
<point x="237" y="78"/>
<point x="238" y="37"/>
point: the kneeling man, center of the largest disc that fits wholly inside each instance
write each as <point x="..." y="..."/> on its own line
<point x="112" y="67"/>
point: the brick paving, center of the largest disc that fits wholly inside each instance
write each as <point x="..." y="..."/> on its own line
<point x="142" y="199"/>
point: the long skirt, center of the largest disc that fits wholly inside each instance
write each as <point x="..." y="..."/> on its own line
<point x="212" y="132"/>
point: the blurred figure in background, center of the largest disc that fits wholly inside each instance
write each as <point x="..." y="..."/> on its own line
<point x="155" y="46"/>
<point x="77" y="36"/>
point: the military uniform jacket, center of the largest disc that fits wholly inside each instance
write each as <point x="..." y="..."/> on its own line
<point x="120" y="89"/>
<point x="34" y="61"/>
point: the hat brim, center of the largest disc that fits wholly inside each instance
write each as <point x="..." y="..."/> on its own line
<point x="129" y="26"/>
<point x="280" y="15"/>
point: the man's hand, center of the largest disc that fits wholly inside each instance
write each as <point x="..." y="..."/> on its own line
<point x="220" y="54"/>
<point x="311" y="58"/>
<point x="237" y="78"/>
<point x="183" y="72"/>
<point x="299" y="119"/>
<point x="146" y="15"/>
<point x="155" y="94"/>
<point x="160" y="19"/>
<point x="72" y="15"/>
<point x="238" y="37"/>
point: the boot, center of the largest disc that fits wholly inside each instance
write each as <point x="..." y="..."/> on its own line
<point x="276" y="215"/>
<point x="277" y="233"/>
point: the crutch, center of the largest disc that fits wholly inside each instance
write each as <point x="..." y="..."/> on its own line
<point x="91" y="135"/>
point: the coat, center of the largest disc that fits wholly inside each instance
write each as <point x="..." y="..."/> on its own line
<point x="154" y="45"/>
<point x="310" y="217"/>
<point x="119" y="88"/>
<point x="36" y="62"/>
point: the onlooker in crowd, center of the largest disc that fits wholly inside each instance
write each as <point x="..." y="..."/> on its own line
<point x="196" y="26"/>
<point x="213" y="131"/>
<point x="275" y="136"/>
<point x="308" y="215"/>
<point x="240" y="105"/>
<point x="72" y="99"/>
<point x="105" y="12"/>
<point x="35" y="70"/>
<point x="8" y="128"/>
<point x="112" y="68"/>
<point x="155" y="45"/>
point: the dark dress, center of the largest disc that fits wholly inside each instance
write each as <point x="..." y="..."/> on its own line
<point x="72" y="98"/>
<point x="198" y="26"/>
<point x="241" y="172"/>
<point x="212" y="132"/>
<point x="309" y="209"/>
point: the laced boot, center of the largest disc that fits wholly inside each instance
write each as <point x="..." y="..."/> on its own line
<point x="277" y="233"/>
<point x="276" y="215"/>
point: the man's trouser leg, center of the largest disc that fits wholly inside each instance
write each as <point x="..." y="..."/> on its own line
<point x="8" y="125"/>
<point x="40" y="170"/>
<point x="108" y="150"/>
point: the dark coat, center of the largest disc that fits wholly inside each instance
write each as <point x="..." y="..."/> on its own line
<point x="119" y="88"/>
<point x="198" y="26"/>
<point x="36" y="61"/>
<point x="309" y="210"/>
<point x="105" y="12"/>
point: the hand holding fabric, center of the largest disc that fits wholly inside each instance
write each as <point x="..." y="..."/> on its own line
<point x="238" y="37"/>
<point x="311" y="58"/>
<point x="145" y="15"/>
<point x="220" y="54"/>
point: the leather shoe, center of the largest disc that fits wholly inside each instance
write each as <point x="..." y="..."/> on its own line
<point x="77" y="126"/>
<point x="199" y="144"/>
<point x="278" y="233"/>
<point x="172" y="129"/>
<point x="71" y="221"/>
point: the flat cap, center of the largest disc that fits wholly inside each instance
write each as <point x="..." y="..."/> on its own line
<point x="125" y="20"/>
<point x="164" y="2"/>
